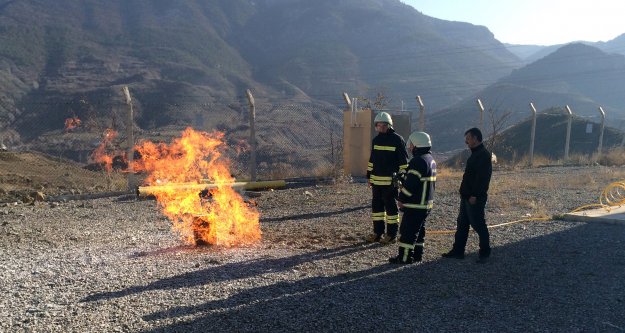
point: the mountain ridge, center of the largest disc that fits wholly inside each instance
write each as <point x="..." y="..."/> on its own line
<point x="55" y="55"/>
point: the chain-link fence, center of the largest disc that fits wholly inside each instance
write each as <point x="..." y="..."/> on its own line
<point x="293" y="139"/>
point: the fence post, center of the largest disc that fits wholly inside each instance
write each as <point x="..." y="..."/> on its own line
<point x="421" y="114"/>
<point x="481" y="107"/>
<point x="347" y="100"/>
<point x="568" y="133"/>
<point x="130" y="137"/>
<point x="601" y="132"/>
<point x="354" y="110"/>
<point x="623" y="140"/>
<point x="250" y="100"/>
<point x="533" y="134"/>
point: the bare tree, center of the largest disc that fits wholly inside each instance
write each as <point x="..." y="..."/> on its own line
<point x="498" y="121"/>
<point x="379" y="102"/>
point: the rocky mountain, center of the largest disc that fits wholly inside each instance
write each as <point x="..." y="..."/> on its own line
<point x="531" y="53"/>
<point x="185" y="59"/>
<point x="578" y="75"/>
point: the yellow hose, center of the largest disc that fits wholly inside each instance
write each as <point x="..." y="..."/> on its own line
<point x="613" y="195"/>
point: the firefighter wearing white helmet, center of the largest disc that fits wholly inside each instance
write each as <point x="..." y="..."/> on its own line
<point x="383" y="117"/>
<point x="416" y="198"/>
<point x="388" y="157"/>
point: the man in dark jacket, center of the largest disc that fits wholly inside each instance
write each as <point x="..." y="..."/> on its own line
<point x="416" y="199"/>
<point x="388" y="157"/>
<point x="474" y="194"/>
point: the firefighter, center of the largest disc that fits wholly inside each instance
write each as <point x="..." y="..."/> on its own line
<point x="388" y="157"/>
<point x="415" y="199"/>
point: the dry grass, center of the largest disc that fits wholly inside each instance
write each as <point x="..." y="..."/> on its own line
<point x="613" y="157"/>
<point x="508" y="192"/>
<point x="539" y="161"/>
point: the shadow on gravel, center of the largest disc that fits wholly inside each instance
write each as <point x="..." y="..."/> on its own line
<point x="231" y="271"/>
<point x="573" y="280"/>
<point x="313" y="215"/>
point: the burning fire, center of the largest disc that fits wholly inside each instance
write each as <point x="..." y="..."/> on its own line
<point x="222" y="218"/>
<point x="71" y="123"/>
<point x="99" y="155"/>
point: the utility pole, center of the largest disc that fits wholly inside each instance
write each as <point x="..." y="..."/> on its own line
<point x="250" y="100"/>
<point x="532" y="135"/>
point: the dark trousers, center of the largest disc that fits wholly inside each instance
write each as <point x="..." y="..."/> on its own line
<point x="383" y="201"/>
<point x="412" y="228"/>
<point x="473" y="216"/>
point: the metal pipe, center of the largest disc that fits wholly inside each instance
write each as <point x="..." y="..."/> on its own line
<point x="143" y="191"/>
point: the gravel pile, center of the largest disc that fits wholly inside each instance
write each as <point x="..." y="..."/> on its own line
<point x="113" y="265"/>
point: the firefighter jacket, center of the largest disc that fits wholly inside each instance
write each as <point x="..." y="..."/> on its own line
<point x="418" y="183"/>
<point x="477" y="173"/>
<point x="388" y="156"/>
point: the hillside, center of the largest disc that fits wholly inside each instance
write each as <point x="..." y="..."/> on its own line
<point x="514" y="142"/>
<point x="512" y="145"/>
<point x="577" y="75"/>
<point x="190" y="62"/>
<point x="24" y="173"/>
<point x="531" y="53"/>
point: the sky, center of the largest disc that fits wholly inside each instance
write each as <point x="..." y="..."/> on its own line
<point x="535" y="22"/>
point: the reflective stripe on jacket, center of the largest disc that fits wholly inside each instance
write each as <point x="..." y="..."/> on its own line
<point x="388" y="156"/>
<point x="419" y="183"/>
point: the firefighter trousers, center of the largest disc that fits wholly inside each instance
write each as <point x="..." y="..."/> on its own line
<point x="412" y="227"/>
<point x="384" y="209"/>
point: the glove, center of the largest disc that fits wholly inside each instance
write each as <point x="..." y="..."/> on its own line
<point x="397" y="180"/>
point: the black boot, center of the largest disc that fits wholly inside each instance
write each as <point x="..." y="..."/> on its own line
<point x="418" y="253"/>
<point x="404" y="257"/>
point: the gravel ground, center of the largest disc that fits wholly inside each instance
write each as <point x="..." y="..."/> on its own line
<point x="113" y="265"/>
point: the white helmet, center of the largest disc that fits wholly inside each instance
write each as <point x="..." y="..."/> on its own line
<point x="383" y="117"/>
<point x="420" y="139"/>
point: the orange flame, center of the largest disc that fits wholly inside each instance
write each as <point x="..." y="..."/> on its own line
<point x="99" y="155"/>
<point x="71" y="123"/>
<point x="225" y="219"/>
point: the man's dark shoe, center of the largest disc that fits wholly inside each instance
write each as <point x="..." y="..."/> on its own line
<point x="453" y="255"/>
<point x="482" y="260"/>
